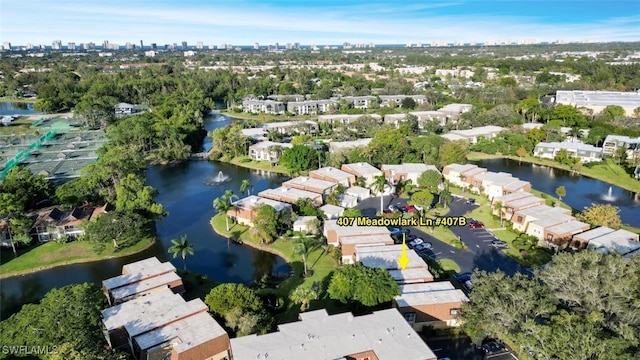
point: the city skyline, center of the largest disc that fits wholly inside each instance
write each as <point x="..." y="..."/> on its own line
<point x="245" y="22"/>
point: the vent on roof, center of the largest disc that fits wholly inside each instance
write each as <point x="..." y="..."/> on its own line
<point x="284" y="189"/>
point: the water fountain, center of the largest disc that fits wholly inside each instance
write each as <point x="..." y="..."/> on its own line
<point x="219" y="179"/>
<point x="609" y="196"/>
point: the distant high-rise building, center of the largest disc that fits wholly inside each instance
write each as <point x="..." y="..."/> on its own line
<point x="277" y="46"/>
<point x="6" y="46"/>
<point x="128" y="46"/>
<point x="289" y="46"/>
<point x="184" y="45"/>
<point x="154" y="46"/>
<point x="28" y="47"/>
<point x="105" y="44"/>
<point x="71" y="46"/>
<point x="141" y="45"/>
<point x="296" y="45"/>
<point x="256" y="46"/>
<point x="56" y="45"/>
<point x="199" y="45"/>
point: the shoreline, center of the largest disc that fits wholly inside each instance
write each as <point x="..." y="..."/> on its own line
<point x="479" y="156"/>
<point x="251" y="244"/>
<point x="247" y="165"/>
<point x="73" y="262"/>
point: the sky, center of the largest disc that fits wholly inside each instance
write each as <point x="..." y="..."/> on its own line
<point x="314" y="22"/>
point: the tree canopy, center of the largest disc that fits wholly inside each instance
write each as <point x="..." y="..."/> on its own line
<point x="602" y="215"/>
<point x="364" y="285"/>
<point x="590" y="292"/>
<point x="240" y="307"/>
<point x="66" y="322"/>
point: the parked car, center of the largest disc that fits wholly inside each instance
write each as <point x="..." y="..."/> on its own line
<point x="415" y="242"/>
<point x="493" y="347"/>
<point x="410" y="208"/>
<point x="418" y="207"/>
<point x="428" y="253"/>
<point x="464" y="277"/>
<point x="467" y="285"/>
<point x="470" y="201"/>
<point x="424" y="246"/>
<point x="476" y="225"/>
<point x="411" y="237"/>
<point x="499" y="244"/>
<point x="393" y="208"/>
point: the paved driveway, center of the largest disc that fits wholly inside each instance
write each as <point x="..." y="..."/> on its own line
<point x="478" y="255"/>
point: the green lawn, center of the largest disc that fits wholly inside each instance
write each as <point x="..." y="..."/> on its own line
<point x="535" y="256"/>
<point x="257" y="165"/>
<point x="608" y="171"/>
<point x="40" y="257"/>
<point x="21" y="125"/>
<point x="449" y="265"/>
<point x="319" y="262"/>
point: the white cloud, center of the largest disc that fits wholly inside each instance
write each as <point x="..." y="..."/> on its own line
<point x="244" y="23"/>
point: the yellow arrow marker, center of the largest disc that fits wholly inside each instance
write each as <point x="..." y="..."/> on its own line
<point x="404" y="259"/>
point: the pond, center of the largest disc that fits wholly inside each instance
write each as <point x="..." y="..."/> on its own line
<point x="582" y="191"/>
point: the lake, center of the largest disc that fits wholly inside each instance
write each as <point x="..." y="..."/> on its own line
<point x="17" y="108"/>
<point x="189" y="201"/>
<point x="581" y="191"/>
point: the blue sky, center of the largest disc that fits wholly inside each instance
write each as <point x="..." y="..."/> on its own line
<point x="243" y="22"/>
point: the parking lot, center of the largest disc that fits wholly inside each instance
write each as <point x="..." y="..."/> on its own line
<point x="479" y="253"/>
<point x="461" y="348"/>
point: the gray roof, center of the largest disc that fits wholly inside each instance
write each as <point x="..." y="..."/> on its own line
<point x="386" y="257"/>
<point x="139" y="266"/>
<point x="184" y="334"/>
<point x="460" y="167"/>
<point x="598" y="98"/>
<point x="423" y="287"/>
<point x="289" y="193"/>
<point x="594" y="233"/>
<point x="478" y="131"/>
<point x="353" y="230"/>
<point x="358" y="191"/>
<point x="513" y="196"/>
<point x="265" y="145"/>
<point x="550" y="219"/>
<point x="132" y="311"/>
<point x="569" y="146"/>
<point x="530" y="200"/>
<point x="406" y="168"/>
<point x="515" y="185"/>
<point x="145" y="285"/>
<point x="411" y="275"/>
<point x="252" y="201"/>
<point x="568" y="227"/>
<point x="139" y="274"/>
<point x="320" y="336"/>
<point x="434" y="297"/>
<point x="370" y="239"/>
<point x="620" y="241"/>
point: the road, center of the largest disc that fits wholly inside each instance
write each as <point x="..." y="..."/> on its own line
<point x="479" y="253"/>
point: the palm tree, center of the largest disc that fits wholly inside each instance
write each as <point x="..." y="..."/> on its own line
<point x="222" y="205"/>
<point x="183" y="248"/>
<point x="230" y="196"/>
<point x="499" y="206"/>
<point x="379" y="183"/>
<point x="446" y="197"/>
<point x="246" y="186"/>
<point x="303" y="247"/>
<point x="303" y="295"/>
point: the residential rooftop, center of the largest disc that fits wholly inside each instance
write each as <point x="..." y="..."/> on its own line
<point x="570" y="146"/>
<point x="513" y="196"/>
<point x="254" y="201"/>
<point x="331" y="209"/>
<point x="460" y="167"/>
<point x="547" y="220"/>
<point x="568" y="227"/>
<point x="410" y="275"/>
<point x="308" y="182"/>
<point x="139" y="287"/>
<point x="621" y="241"/>
<point x="265" y="145"/>
<point x="424" y="287"/>
<point x="132" y="311"/>
<point x="139" y="274"/>
<point x="595" y="233"/>
<point x="386" y="257"/>
<point x="361" y="169"/>
<point x="184" y="334"/>
<point x="354" y="230"/>
<point x="331" y="172"/>
<point x="289" y="193"/>
<point x="140" y="266"/>
<point x="319" y="336"/>
<point x="598" y="98"/>
<point x="369" y="239"/>
<point x="432" y="297"/>
<point x="477" y="131"/>
<point x="409" y="168"/>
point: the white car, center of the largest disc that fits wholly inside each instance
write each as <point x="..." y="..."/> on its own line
<point x="415" y="243"/>
<point x="418" y="207"/>
<point x="423" y="246"/>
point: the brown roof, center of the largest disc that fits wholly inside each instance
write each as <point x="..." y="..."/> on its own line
<point x="101" y="210"/>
